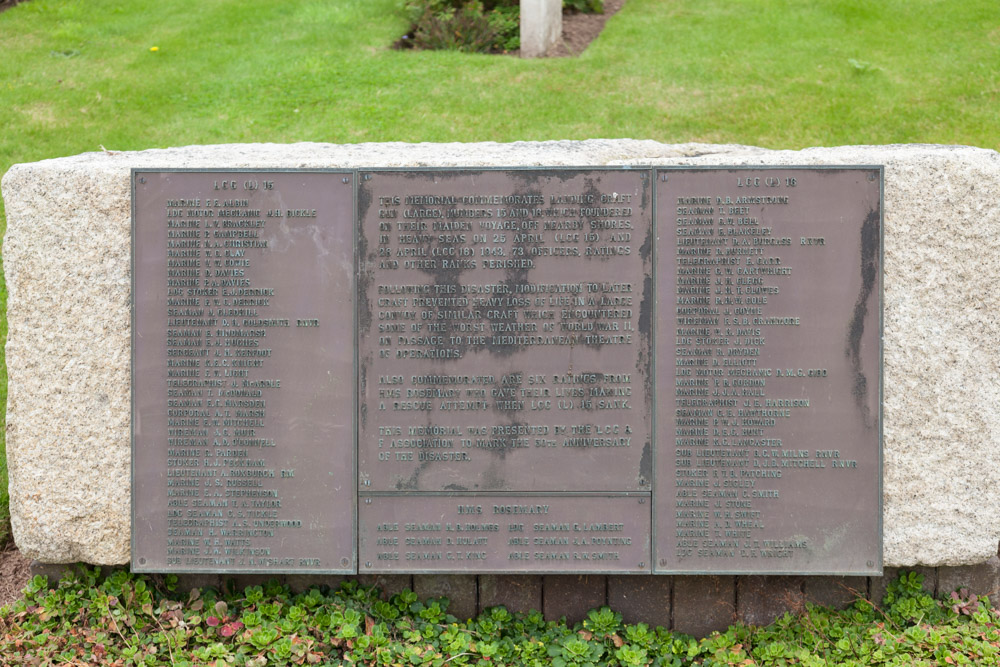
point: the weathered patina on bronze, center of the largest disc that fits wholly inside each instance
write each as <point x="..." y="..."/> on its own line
<point x="455" y="370"/>
<point x="502" y="344"/>
<point x="243" y="454"/>
<point x="768" y="370"/>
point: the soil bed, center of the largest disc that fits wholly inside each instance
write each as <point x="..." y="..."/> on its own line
<point x="579" y="30"/>
<point x="7" y="4"/>
<point x="14" y="571"/>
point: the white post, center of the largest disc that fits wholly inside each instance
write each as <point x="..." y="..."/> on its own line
<point x="541" y="26"/>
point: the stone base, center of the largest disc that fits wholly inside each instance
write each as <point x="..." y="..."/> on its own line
<point x="67" y="264"/>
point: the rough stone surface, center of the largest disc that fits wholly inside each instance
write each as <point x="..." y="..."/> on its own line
<point x="66" y="258"/>
<point x="460" y="589"/>
<point x="641" y="598"/>
<point x="702" y="605"/>
<point x="981" y="579"/>
<point x="573" y="595"/>
<point x="517" y="593"/>
<point x="541" y="26"/>
<point x="760" y="600"/>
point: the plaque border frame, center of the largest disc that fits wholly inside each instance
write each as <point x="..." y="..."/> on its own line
<point x="356" y="174"/>
<point x="350" y="173"/>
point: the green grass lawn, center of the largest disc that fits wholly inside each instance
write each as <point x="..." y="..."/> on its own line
<point x="76" y="75"/>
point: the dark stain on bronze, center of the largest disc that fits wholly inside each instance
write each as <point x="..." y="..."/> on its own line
<point x="364" y="362"/>
<point x="646" y="306"/>
<point x="412" y="483"/>
<point x="510" y="319"/>
<point x="646" y="249"/>
<point x="870" y="250"/>
<point x="646" y="465"/>
<point x="364" y="260"/>
<point x="493" y="480"/>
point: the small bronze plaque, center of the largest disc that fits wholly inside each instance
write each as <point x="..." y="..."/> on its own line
<point x="768" y="370"/>
<point x="504" y="533"/>
<point x="501" y="343"/>
<point x="243" y="397"/>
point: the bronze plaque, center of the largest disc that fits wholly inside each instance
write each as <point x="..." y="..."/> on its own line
<point x="501" y="342"/>
<point x="502" y="348"/>
<point x="768" y="370"/>
<point x="243" y="367"/>
<point x="463" y="361"/>
<point x="504" y="533"/>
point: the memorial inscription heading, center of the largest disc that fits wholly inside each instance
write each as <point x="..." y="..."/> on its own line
<point x="600" y="370"/>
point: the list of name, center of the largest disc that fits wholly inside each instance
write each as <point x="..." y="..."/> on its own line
<point x="237" y="448"/>
<point x="462" y="370"/>
<point x="499" y="533"/>
<point x="223" y="506"/>
<point x="750" y="374"/>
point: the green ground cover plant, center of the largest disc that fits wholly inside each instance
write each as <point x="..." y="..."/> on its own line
<point x="469" y="26"/>
<point x="131" y="620"/>
<point x="76" y="75"/>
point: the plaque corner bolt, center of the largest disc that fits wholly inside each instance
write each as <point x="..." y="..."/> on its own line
<point x="368" y="564"/>
<point x="346" y="180"/>
<point x="142" y="179"/>
<point x="871" y="177"/>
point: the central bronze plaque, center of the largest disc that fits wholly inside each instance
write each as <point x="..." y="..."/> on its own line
<point x="502" y="346"/>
